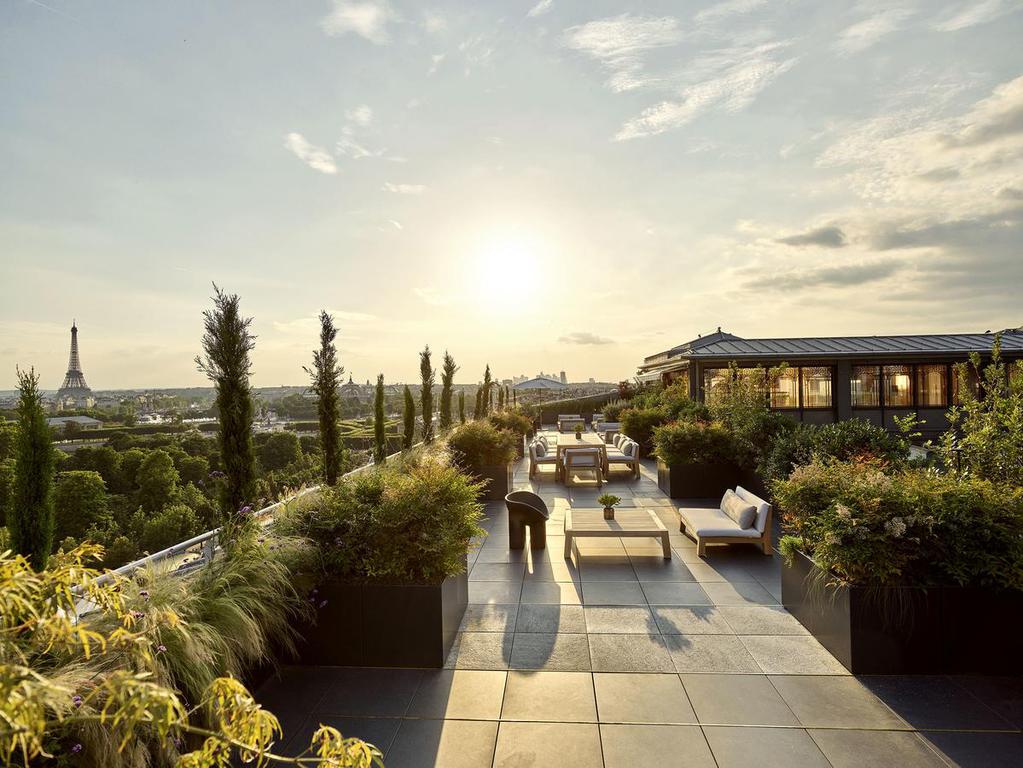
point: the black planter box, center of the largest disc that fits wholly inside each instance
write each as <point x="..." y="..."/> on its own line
<point x="697" y="481"/>
<point x="907" y="630"/>
<point x="499" y="481"/>
<point x="380" y="625"/>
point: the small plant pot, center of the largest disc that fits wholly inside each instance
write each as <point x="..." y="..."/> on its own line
<point x="578" y="435"/>
<point x="609" y="513"/>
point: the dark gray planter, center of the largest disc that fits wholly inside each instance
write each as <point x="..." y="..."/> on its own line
<point x="907" y="630"/>
<point x="697" y="481"/>
<point x="498" y="479"/>
<point x="382" y="625"/>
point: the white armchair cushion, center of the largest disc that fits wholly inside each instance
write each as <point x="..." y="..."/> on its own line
<point x="714" y="522"/>
<point x="739" y="510"/>
<point x="763" y="508"/>
<point x="629" y="449"/>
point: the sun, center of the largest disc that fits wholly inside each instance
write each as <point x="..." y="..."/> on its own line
<point x="504" y="271"/>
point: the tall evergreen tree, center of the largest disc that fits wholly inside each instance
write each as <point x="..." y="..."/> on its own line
<point x="226" y="344"/>
<point x="410" y="420"/>
<point x="500" y="398"/>
<point x="427" y="378"/>
<point x="326" y="383"/>
<point x="30" y="519"/>
<point x="488" y="397"/>
<point x="477" y="411"/>
<point x="447" y="380"/>
<point x="461" y="406"/>
<point x="515" y="402"/>
<point x="379" y="434"/>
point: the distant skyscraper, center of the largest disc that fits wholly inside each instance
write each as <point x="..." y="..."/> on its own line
<point x="564" y="378"/>
<point x="74" y="392"/>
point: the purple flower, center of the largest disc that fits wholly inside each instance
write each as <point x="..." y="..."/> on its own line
<point x="76" y="700"/>
<point x="161" y="648"/>
<point x="76" y="749"/>
<point x="322" y="603"/>
<point x="138" y="615"/>
<point x="144" y="594"/>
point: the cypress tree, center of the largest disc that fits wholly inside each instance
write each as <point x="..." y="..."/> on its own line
<point x="488" y="395"/>
<point x="379" y="435"/>
<point x="30" y="519"/>
<point x="226" y="344"/>
<point x="461" y="405"/>
<point x="410" y="420"/>
<point x="500" y="399"/>
<point x="515" y="402"/>
<point x="477" y="411"/>
<point x="427" y="378"/>
<point x="447" y="379"/>
<point x="326" y="381"/>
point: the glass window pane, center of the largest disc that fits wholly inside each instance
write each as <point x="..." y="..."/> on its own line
<point x="972" y="381"/>
<point x="715" y="382"/>
<point x="785" y="389"/>
<point x="816" y="386"/>
<point x="930" y="386"/>
<point x="898" y="386"/>
<point x="865" y="385"/>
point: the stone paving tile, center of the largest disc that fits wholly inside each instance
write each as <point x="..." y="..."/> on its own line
<point x="978" y="750"/>
<point x="656" y="568"/>
<point x="291" y="693"/>
<point x="834" y="702"/>
<point x="613" y="593"/>
<point x="664" y="746"/>
<point x="691" y="620"/>
<point x="792" y="655"/>
<point x="367" y="691"/>
<point x="499" y="592"/>
<point x="927" y="702"/>
<point x="459" y="694"/>
<point x="642" y="698"/>
<point x="674" y="593"/>
<point x="736" y="747"/>
<point x="497" y="572"/>
<point x="378" y="731"/>
<point x="704" y="571"/>
<point x="761" y="620"/>
<point x="489" y="618"/>
<point x="617" y="619"/>
<point x="550" y="619"/>
<point x="629" y="653"/>
<point x="481" y="650"/>
<point x="606" y="569"/>
<point x="709" y="653"/>
<point x="856" y="749"/>
<point x="551" y="570"/>
<point x="551" y="593"/>
<point x="567" y="652"/>
<point x="565" y="745"/>
<point x="1003" y="694"/>
<point x="737" y="700"/>
<point x="739" y="593"/>
<point x="443" y="744"/>
<point x="552" y="696"/>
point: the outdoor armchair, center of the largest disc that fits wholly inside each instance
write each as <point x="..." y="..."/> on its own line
<point x="526" y="510"/>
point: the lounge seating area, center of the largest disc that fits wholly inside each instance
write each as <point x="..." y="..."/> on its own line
<point x="740" y="518"/>
<point x="567" y="422"/>
<point x="572" y="458"/>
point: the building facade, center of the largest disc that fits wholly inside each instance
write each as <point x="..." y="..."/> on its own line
<point x="828" y="379"/>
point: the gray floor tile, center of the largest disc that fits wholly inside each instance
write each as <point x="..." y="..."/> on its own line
<point x="641" y="698"/>
<point x="613" y="593"/>
<point x="656" y="568"/>
<point x="566" y="652"/>
<point x="566" y="745"/>
<point x="443" y="744"/>
<point x="459" y="693"/>
<point x="1003" y="694"/>
<point x="738" y="593"/>
<point x="489" y="618"/>
<point x="735" y="747"/>
<point x="663" y="746"/>
<point x="499" y="592"/>
<point x="497" y="572"/>
<point x="613" y="568"/>
<point x="553" y="696"/>
<point x="629" y="653"/>
<point x="856" y="749"/>
<point x="979" y="750"/>
<point x="365" y="691"/>
<point x="834" y="701"/>
<point x="619" y="619"/>
<point x="481" y="650"/>
<point x="709" y="653"/>
<point x="792" y="655"/>
<point x="551" y="570"/>
<point x="550" y="619"/>
<point x="737" y="700"/>
<point x="551" y="593"/>
<point x="761" y="620"/>
<point x="691" y="620"/>
<point x="934" y="702"/>
<point x="378" y="731"/>
<point x="291" y="693"/>
<point x="674" y="593"/>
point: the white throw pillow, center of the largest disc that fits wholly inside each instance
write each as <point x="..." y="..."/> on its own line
<point x="541" y="449"/>
<point x="629" y="449"/>
<point x="743" y="513"/>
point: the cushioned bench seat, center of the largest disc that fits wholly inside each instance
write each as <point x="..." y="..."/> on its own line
<point x="710" y="525"/>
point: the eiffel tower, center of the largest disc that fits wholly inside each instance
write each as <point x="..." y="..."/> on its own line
<point x="74" y="392"/>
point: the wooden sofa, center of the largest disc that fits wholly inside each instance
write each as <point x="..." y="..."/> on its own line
<point x="709" y="525"/>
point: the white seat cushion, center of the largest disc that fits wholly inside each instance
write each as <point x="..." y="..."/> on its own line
<point x="714" y="522"/>
<point x="737" y="508"/>
<point x="763" y="508"/>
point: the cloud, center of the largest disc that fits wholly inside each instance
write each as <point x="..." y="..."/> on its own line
<point x="825" y="237"/>
<point x="723" y="11"/>
<point x="435" y="62"/>
<point x="1009" y="193"/>
<point x="840" y="276"/>
<point x="743" y="74"/>
<point x="310" y="326"/>
<point x="366" y="18"/>
<point x="972" y="13"/>
<point x="585" y="338"/>
<point x="360" y="115"/>
<point x="868" y="32"/>
<point x="315" y="157"/>
<point x="540" y="8"/>
<point x="396" y="224"/>
<point x="430" y="295"/>
<point x="619" y="43"/>
<point x="404" y="189"/>
<point x="997" y="116"/>
<point x="434" y="23"/>
<point x="940" y="174"/>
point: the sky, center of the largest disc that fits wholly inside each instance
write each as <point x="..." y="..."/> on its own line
<point x="545" y="185"/>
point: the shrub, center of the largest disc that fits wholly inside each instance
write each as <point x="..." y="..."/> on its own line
<point x="407" y="522"/>
<point x="910" y="527"/>
<point x="512" y="420"/>
<point x="614" y="409"/>
<point x="80" y="503"/>
<point x="172" y="524"/>
<point x="694" y="443"/>
<point x="639" y="424"/>
<point x="157" y="480"/>
<point x="278" y="450"/>
<point x="479" y="444"/>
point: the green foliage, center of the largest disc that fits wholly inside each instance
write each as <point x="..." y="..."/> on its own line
<point x="227" y="343"/>
<point x="640" y="423"/>
<point x="379" y="423"/>
<point x="513" y="421"/>
<point x="909" y="527"/>
<point x="613" y="410"/>
<point x="6" y="489"/>
<point x="447" y="380"/>
<point x="120" y="552"/>
<point x="8" y="440"/>
<point x="742" y="405"/>
<point x="682" y="443"/>
<point x="609" y="500"/>
<point x="172" y="524"/>
<point x="486" y="398"/>
<point x="30" y="520"/>
<point x="986" y="435"/>
<point x="407" y="522"/>
<point x="326" y="384"/>
<point x="157" y="480"/>
<point x="477" y="411"/>
<point x="80" y="503"/>
<point x="193" y="469"/>
<point x="479" y="444"/>
<point x="409" y="419"/>
<point x="461" y="406"/>
<point x="427" y="377"/>
<point x="278" y="450"/>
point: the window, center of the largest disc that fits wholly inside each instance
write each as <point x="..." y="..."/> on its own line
<point x="931" y="385"/>
<point x="972" y="382"/>
<point x="816" y="386"/>
<point x="785" y="389"/>
<point x="865" y="386"/>
<point x="898" y="386"/>
<point x="715" y="382"/>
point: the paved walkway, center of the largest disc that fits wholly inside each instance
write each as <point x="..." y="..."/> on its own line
<point x="625" y="659"/>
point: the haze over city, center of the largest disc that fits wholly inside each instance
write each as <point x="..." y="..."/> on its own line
<point x="537" y="185"/>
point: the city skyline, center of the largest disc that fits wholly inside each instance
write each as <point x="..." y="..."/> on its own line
<point x="533" y="185"/>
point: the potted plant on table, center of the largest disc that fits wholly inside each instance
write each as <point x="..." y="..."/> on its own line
<point x="578" y="431"/>
<point x="485" y="453"/>
<point x="609" y="501"/>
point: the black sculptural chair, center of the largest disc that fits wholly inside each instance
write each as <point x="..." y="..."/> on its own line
<point x="526" y="508"/>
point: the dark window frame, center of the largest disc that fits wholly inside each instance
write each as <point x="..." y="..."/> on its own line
<point x="884" y="405"/>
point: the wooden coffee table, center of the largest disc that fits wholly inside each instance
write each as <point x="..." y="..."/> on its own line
<point x="586" y="523"/>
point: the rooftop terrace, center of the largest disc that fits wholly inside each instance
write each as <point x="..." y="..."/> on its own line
<point x="623" y="658"/>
